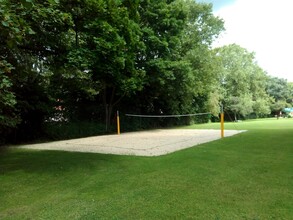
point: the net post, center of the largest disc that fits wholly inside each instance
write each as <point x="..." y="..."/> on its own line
<point x="118" y="123"/>
<point x="222" y="121"/>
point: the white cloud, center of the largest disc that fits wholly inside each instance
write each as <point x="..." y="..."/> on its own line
<point x="262" y="26"/>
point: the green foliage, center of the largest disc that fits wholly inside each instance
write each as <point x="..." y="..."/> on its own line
<point x="13" y="30"/>
<point x="149" y="57"/>
<point x="29" y="60"/>
<point x="240" y="105"/>
<point x="103" y="48"/>
<point x="177" y="71"/>
<point x="278" y="106"/>
<point x="281" y="92"/>
<point x="71" y="130"/>
<point x="8" y="115"/>
<point x="242" y="82"/>
<point x="278" y="88"/>
<point x="261" y="107"/>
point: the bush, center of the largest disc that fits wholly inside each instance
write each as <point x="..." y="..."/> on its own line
<point x="69" y="130"/>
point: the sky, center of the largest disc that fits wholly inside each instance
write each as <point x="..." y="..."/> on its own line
<point x="260" y="26"/>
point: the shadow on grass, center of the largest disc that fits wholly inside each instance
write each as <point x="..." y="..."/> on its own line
<point x="32" y="161"/>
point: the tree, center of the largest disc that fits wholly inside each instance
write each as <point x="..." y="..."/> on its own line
<point x="8" y="117"/>
<point x="30" y="41"/>
<point x="68" y="53"/>
<point x="281" y="92"/>
<point x="290" y="93"/>
<point x="240" y="105"/>
<point x="177" y="35"/>
<point x="278" y="88"/>
<point x="104" y="47"/>
<point x="13" y="29"/>
<point x="242" y="81"/>
<point x="261" y="107"/>
<point x="201" y="30"/>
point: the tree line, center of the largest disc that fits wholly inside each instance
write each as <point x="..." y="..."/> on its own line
<point x="76" y="62"/>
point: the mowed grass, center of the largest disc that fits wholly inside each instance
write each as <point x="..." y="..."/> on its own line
<point x="247" y="176"/>
<point x="256" y="124"/>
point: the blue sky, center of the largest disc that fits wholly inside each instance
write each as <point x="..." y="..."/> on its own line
<point x="217" y="4"/>
<point x="262" y="27"/>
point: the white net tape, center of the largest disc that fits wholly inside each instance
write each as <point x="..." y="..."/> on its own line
<point x="166" y="116"/>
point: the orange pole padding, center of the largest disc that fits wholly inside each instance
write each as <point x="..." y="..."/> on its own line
<point x="118" y="123"/>
<point x="222" y="125"/>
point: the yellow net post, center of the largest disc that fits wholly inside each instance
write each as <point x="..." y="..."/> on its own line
<point x="222" y="121"/>
<point x="118" y="123"/>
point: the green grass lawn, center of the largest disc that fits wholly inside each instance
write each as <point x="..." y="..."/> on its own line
<point x="257" y="124"/>
<point x="248" y="176"/>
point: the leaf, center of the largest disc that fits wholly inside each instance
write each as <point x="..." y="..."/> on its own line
<point x="16" y="30"/>
<point x="4" y="23"/>
<point x="27" y="3"/>
<point x="52" y="2"/>
<point x="30" y="31"/>
<point x="10" y="43"/>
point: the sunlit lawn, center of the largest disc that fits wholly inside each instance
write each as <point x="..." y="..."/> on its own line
<point x="248" y="176"/>
<point x="257" y="124"/>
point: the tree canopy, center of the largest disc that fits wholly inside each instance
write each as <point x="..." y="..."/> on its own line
<point x="242" y="82"/>
<point x="67" y="61"/>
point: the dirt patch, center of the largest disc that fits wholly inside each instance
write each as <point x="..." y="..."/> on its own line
<point x="146" y="143"/>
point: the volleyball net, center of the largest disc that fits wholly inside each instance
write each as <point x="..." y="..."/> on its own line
<point x="142" y="121"/>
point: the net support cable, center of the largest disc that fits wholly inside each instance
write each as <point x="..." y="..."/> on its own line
<point x="166" y="116"/>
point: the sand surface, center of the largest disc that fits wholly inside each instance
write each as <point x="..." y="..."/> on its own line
<point x="145" y="143"/>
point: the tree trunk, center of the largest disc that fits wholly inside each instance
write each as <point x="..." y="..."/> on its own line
<point x="108" y="105"/>
<point x="108" y="116"/>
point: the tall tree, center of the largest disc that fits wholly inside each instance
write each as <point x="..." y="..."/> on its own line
<point x="106" y="41"/>
<point x="242" y="81"/>
<point x="13" y="30"/>
<point x="202" y="29"/>
<point x="30" y="37"/>
<point x="278" y="88"/>
<point x="176" y="35"/>
<point x="281" y="92"/>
